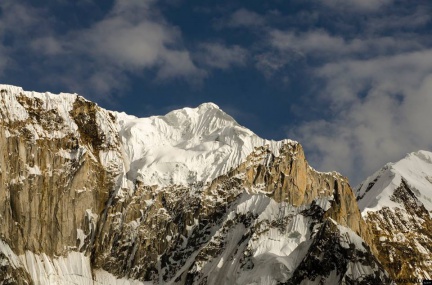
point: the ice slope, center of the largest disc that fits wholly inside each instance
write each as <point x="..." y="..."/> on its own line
<point x="186" y="146"/>
<point x="415" y="169"/>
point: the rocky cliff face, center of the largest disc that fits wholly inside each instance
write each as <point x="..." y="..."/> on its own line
<point x="85" y="199"/>
<point x="268" y="213"/>
<point x="397" y="206"/>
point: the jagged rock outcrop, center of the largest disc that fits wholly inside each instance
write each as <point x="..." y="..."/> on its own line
<point x="78" y="203"/>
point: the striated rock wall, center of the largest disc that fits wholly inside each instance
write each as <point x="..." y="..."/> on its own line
<point x="53" y="186"/>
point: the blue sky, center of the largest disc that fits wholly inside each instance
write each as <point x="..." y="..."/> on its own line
<point x="349" y="79"/>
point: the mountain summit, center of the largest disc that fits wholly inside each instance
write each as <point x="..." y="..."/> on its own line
<point x="396" y="203"/>
<point x="90" y="196"/>
<point x="186" y="146"/>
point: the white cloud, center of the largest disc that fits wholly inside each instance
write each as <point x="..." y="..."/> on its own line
<point x="134" y="37"/>
<point x="380" y="109"/>
<point x="131" y="39"/>
<point x="220" y="56"/>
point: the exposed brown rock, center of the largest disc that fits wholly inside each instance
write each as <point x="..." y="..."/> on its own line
<point x="403" y="236"/>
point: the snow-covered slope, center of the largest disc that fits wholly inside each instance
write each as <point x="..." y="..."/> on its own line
<point x="415" y="169"/>
<point x="396" y="202"/>
<point x="56" y="108"/>
<point x="186" y="146"/>
<point x="182" y="147"/>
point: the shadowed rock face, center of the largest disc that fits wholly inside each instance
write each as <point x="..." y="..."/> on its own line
<point x="332" y="254"/>
<point x="63" y="190"/>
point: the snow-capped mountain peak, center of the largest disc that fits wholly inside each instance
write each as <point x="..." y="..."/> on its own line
<point x="187" y="145"/>
<point x="182" y="147"/>
<point x="208" y="105"/>
<point x="415" y="170"/>
<point x="396" y="202"/>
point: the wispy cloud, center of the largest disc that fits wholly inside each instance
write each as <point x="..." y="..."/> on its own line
<point x="416" y="17"/>
<point x="372" y="86"/>
<point x="220" y="56"/>
<point x="17" y="21"/>
<point x="321" y="44"/>
<point x="241" y="18"/>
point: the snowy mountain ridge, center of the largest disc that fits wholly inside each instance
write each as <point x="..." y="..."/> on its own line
<point x="415" y="169"/>
<point x="396" y="202"/>
<point x="185" y="146"/>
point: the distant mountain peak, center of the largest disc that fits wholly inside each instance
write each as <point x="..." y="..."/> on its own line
<point x="415" y="168"/>
<point x="396" y="203"/>
<point x="208" y="105"/>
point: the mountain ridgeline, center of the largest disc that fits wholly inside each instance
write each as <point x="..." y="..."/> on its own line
<point x="396" y="202"/>
<point x="90" y="196"/>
